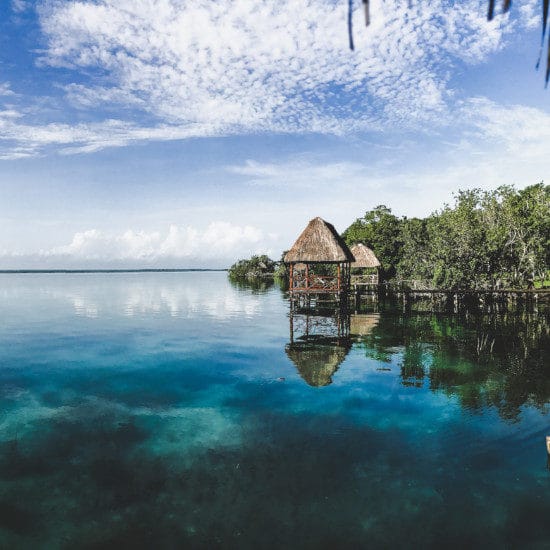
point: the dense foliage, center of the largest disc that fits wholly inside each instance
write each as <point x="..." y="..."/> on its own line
<point x="486" y="239"/>
<point x="380" y="230"/>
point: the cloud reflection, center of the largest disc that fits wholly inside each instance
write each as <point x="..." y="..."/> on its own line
<point x="182" y="295"/>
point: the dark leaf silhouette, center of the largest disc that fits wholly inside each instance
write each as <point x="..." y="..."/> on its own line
<point x="544" y="19"/>
<point x="506" y="4"/>
<point x="491" y="10"/>
<point x="350" y="24"/>
<point x="367" y="12"/>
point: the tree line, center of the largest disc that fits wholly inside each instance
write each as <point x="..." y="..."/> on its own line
<point x="485" y="239"/>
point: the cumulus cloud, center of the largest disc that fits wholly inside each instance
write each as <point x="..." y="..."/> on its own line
<point x="218" y="241"/>
<point x="208" y="68"/>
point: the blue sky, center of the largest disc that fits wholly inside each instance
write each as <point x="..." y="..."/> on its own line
<point x="166" y="133"/>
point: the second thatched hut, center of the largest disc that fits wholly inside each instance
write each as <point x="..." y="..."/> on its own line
<point x="365" y="270"/>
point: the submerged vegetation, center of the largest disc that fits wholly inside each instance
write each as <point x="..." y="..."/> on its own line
<point x="175" y="412"/>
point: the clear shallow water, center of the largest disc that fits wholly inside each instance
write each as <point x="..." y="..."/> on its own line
<point x="172" y="410"/>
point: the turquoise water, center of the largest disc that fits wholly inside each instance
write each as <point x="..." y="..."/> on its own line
<point x="171" y="410"/>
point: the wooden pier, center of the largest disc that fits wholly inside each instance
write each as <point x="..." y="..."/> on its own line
<point x="453" y="300"/>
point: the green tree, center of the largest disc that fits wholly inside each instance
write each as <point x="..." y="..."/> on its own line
<point x="525" y="221"/>
<point x="256" y="267"/>
<point x="487" y="239"/>
<point x="456" y="243"/>
<point x="415" y="262"/>
<point x="380" y="230"/>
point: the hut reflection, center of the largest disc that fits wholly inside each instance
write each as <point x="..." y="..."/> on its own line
<point x="362" y="324"/>
<point x="317" y="359"/>
<point x="319" y="343"/>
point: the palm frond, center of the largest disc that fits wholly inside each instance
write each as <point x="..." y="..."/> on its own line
<point x="367" y="12"/>
<point x="544" y="19"/>
<point x="506" y="5"/>
<point x="350" y="24"/>
<point x="491" y="10"/>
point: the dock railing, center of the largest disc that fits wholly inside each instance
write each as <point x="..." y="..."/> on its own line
<point x="316" y="283"/>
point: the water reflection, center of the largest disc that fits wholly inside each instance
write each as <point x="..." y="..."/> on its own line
<point x="148" y="430"/>
<point x="133" y="294"/>
<point x="318" y="358"/>
<point x="485" y="360"/>
<point x="496" y="361"/>
<point x="362" y="324"/>
<point x="319" y="342"/>
<point x="258" y="285"/>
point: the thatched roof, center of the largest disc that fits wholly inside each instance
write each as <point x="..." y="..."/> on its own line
<point x="315" y="362"/>
<point x="319" y="243"/>
<point x="364" y="256"/>
<point x="362" y="323"/>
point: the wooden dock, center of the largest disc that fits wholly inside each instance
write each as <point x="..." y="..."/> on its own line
<point x="453" y="300"/>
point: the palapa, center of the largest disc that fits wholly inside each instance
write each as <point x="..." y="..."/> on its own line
<point x="319" y="243"/>
<point x="364" y="256"/>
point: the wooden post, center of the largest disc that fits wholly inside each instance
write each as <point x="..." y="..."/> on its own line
<point x="291" y="277"/>
<point x="307" y="276"/>
<point x="338" y="277"/>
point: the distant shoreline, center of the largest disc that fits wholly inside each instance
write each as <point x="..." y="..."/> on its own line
<point x="15" y="271"/>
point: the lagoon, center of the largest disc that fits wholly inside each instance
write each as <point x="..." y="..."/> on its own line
<point x="164" y="410"/>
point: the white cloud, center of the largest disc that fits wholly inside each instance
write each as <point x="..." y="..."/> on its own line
<point x="530" y="14"/>
<point x="82" y="138"/>
<point x="19" y="6"/>
<point x="218" y="241"/>
<point x="5" y="89"/>
<point x="497" y="145"/>
<point x="300" y="173"/>
<point x="254" y="66"/>
<point x="208" y="68"/>
<point x="523" y="131"/>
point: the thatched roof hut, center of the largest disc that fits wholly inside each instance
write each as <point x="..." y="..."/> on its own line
<point x="316" y="362"/>
<point x="319" y="243"/>
<point x="364" y="256"/>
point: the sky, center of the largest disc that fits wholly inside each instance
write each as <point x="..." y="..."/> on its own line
<point x="173" y="133"/>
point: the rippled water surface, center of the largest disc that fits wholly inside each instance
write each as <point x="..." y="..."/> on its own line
<point x="165" y="410"/>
